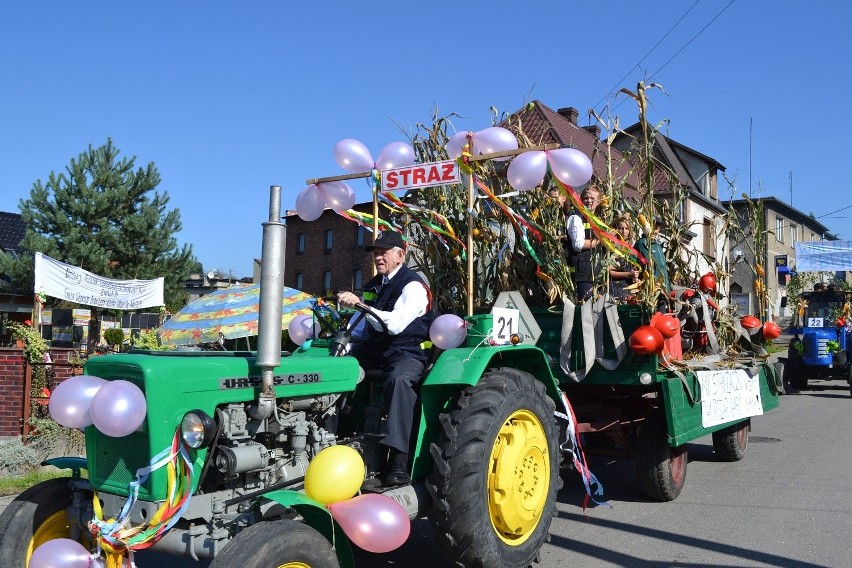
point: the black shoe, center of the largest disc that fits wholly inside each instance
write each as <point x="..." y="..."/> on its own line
<point x="398" y="474"/>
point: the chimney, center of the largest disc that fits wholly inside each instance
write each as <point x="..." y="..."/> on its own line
<point x="594" y="130"/>
<point x="570" y="113"/>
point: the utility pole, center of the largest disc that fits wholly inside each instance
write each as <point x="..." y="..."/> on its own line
<point x="750" y="126"/>
<point x="791" y="188"/>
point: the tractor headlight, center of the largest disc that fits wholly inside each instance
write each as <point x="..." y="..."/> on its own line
<point x="645" y="378"/>
<point x="197" y="429"/>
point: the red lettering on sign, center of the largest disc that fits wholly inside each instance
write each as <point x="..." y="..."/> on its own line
<point x="419" y="176"/>
<point x="448" y="171"/>
<point x="434" y="175"/>
<point x="391" y="180"/>
<point x="405" y="174"/>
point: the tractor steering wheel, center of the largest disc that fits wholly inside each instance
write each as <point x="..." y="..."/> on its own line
<point x="343" y="338"/>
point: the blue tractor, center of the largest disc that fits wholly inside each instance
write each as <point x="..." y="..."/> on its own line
<point x="820" y="348"/>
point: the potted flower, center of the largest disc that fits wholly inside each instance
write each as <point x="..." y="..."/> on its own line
<point x="30" y="340"/>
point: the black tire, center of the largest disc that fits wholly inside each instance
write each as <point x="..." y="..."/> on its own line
<point x="34" y="517"/>
<point x="499" y="438"/>
<point x="661" y="469"/>
<point x="795" y="375"/>
<point x="277" y="544"/>
<point x="849" y="377"/>
<point x="730" y="443"/>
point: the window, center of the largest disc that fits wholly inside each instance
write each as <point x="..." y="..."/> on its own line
<point x="779" y="229"/>
<point x="709" y="245"/>
<point x="300" y="243"/>
<point x="359" y="236"/>
<point x="329" y="240"/>
<point x="793" y="231"/>
<point x="326" y="280"/>
<point x="358" y="279"/>
<point x="300" y="281"/>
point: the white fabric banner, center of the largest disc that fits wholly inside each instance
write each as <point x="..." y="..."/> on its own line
<point x="74" y="284"/>
<point x="829" y="256"/>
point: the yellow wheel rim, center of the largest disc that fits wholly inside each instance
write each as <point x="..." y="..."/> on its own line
<point x="294" y="565"/>
<point x="55" y="526"/>
<point x="518" y="477"/>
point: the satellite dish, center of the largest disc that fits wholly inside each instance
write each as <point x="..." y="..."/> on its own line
<point x="211" y="275"/>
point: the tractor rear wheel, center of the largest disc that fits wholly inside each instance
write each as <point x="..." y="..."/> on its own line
<point x="730" y="443"/>
<point x="277" y="544"/>
<point x="496" y="472"/>
<point x="661" y="468"/>
<point x="36" y="516"/>
<point x="795" y="375"/>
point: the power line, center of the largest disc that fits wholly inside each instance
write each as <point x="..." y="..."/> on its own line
<point x="620" y="81"/>
<point x="679" y="50"/>
<point x="833" y="212"/>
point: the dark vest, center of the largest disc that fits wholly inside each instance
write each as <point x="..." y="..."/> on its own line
<point x="384" y="297"/>
<point x="580" y="261"/>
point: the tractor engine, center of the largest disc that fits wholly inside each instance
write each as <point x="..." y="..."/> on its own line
<point x="256" y="453"/>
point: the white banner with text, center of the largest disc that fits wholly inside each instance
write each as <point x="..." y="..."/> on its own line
<point x="74" y="284"/>
<point x="728" y="394"/>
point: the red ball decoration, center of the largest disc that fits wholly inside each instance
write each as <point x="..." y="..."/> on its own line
<point x="707" y="284"/>
<point x="751" y="324"/>
<point x="668" y="326"/>
<point x="646" y="340"/>
<point x="771" y="330"/>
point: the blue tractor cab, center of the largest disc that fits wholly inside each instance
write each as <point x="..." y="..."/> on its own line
<point x="821" y="339"/>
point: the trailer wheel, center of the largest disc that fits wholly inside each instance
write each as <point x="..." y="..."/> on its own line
<point x="661" y="468"/>
<point x="730" y="443"/>
<point x="36" y="516"/>
<point x="277" y="544"/>
<point x="496" y="472"/>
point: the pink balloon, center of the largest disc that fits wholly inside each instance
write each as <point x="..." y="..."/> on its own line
<point x="527" y="170"/>
<point x="353" y="156"/>
<point x="395" y="155"/>
<point x="310" y="203"/>
<point x="118" y="408"/>
<point x="302" y="328"/>
<point x="456" y="144"/>
<point x="570" y="166"/>
<point x="374" y="522"/>
<point x="71" y="402"/>
<point x="494" y="139"/>
<point x="448" y="331"/>
<point x="337" y="195"/>
<point x="60" y="553"/>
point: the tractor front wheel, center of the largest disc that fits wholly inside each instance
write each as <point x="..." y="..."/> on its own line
<point x="36" y="516"/>
<point x="661" y="468"/>
<point x="496" y="472"/>
<point x="277" y="544"/>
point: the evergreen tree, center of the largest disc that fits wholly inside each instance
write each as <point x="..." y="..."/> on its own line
<point x="101" y="215"/>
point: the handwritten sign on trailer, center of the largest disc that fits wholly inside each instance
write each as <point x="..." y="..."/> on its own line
<point x="420" y="175"/>
<point x="729" y="394"/>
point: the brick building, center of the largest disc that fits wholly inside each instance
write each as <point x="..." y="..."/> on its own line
<point x="327" y="254"/>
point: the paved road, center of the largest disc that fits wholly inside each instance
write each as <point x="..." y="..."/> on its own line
<point x="787" y="504"/>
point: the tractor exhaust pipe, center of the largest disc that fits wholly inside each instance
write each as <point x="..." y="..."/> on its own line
<point x="271" y="290"/>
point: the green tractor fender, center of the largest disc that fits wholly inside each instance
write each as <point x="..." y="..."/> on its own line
<point x="318" y="517"/>
<point x="458" y="368"/>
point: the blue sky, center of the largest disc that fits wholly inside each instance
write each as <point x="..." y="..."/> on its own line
<point x="228" y="98"/>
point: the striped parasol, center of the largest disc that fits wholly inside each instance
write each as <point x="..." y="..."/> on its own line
<point x="232" y="312"/>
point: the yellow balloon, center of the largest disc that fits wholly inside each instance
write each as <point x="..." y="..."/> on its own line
<point x="335" y="474"/>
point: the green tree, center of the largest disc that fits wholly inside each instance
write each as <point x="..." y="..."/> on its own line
<point x="104" y="215"/>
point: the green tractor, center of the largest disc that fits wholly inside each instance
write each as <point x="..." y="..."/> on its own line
<point x="217" y="468"/>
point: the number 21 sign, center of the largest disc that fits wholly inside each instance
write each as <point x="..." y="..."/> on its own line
<point x="506" y="322"/>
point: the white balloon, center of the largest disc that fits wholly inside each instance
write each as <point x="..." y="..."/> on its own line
<point x="527" y="170"/>
<point x="456" y="144"/>
<point x="353" y="156"/>
<point x="570" y="166"/>
<point x="310" y="203"/>
<point x="494" y="139"/>
<point x="395" y="155"/>
<point x="337" y="195"/>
